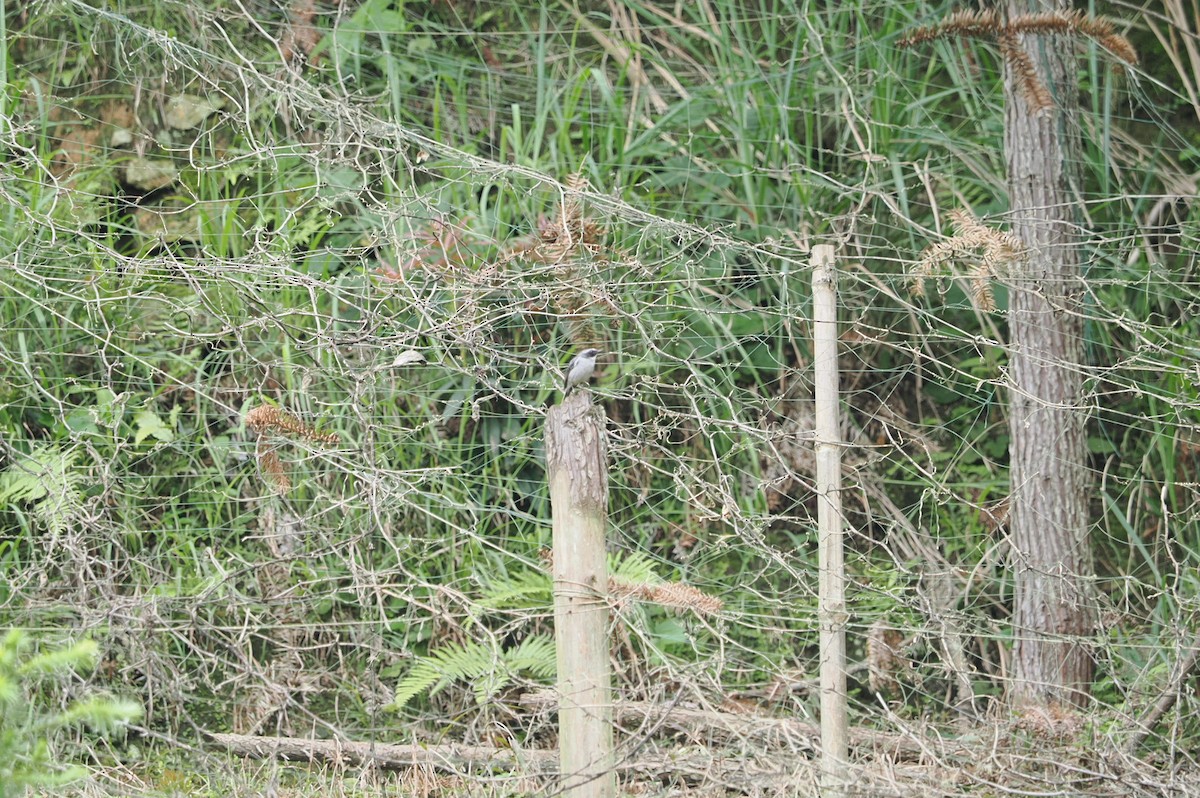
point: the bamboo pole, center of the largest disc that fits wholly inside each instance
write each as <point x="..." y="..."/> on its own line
<point x="576" y="469"/>
<point x="831" y="607"/>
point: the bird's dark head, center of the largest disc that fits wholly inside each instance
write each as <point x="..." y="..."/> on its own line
<point x="590" y="354"/>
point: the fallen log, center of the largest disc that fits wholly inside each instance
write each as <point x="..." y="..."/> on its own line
<point x="712" y="727"/>
<point x="693" y="765"/>
<point x="391" y="756"/>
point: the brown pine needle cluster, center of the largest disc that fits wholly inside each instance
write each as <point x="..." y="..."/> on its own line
<point x="667" y="594"/>
<point x="987" y="23"/>
<point x="1024" y="71"/>
<point x="969" y="24"/>
<point x="1076" y="23"/>
<point x="271" y="467"/>
<point x="973" y="242"/>
<point x="265" y="418"/>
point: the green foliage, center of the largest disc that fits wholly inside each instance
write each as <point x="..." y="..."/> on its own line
<point x="634" y="568"/>
<point x="51" y="481"/>
<point x="387" y="199"/>
<point x="533" y="589"/>
<point x="488" y="668"/>
<point x="28" y="728"/>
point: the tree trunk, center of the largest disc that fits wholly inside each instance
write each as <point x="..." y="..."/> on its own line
<point x="1051" y="554"/>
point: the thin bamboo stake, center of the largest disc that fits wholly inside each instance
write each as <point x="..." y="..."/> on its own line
<point x="831" y="608"/>
<point x="576" y="469"/>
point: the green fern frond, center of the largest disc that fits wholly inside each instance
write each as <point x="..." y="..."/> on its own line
<point x="536" y="655"/>
<point x="487" y="669"/>
<point x="423" y="676"/>
<point x="28" y="723"/>
<point x="523" y="590"/>
<point x="100" y="713"/>
<point x="441" y="668"/>
<point x="49" y="479"/>
<point x="634" y="568"/>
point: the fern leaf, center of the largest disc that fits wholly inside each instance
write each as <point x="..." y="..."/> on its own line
<point x="537" y="655"/>
<point x="633" y="567"/>
<point x="524" y="590"/>
<point x="487" y="669"/>
<point x="47" y="478"/>
<point x="424" y="676"/>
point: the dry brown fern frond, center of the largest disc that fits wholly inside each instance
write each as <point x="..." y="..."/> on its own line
<point x="667" y="594"/>
<point x="265" y="418"/>
<point x="975" y="242"/>
<point x="968" y="24"/>
<point x="271" y="467"/>
<point x="570" y="230"/>
<point x="922" y="272"/>
<point x="981" y="288"/>
<point x="973" y="24"/>
<point x="998" y="244"/>
<point x="1032" y="87"/>
<point x="1074" y="23"/>
<point x="560" y="236"/>
<point x="576" y="182"/>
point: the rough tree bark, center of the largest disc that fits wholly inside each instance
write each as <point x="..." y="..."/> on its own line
<point x="1051" y="554"/>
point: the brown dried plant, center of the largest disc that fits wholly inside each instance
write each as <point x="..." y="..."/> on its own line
<point x="973" y="241"/>
<point x="560" y="241"/>
<point x="441" y="247"/>
<point x="1077" y="23"/>
<point x="560" y="237"/>
<point x="667" y="594"/>
<point x="968" y="24"/>
<point x="988" y="23"/>
<point x="271" y="467"/>
<point x="264" y="420"/>
<point x="301" y="35"/>
<point x="1035" y="91"/>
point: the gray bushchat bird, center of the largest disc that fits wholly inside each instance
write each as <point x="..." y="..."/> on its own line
<point x="580" y="369"/>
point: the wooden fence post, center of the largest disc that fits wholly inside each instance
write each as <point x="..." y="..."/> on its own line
<point x="831" y="606"/>
<point x="576" y="468"/>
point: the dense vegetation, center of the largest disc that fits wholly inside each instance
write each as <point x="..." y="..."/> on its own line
<point x="285" y="290"/>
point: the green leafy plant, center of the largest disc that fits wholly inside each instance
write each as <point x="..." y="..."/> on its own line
<point x="48" y="479"/>
<point x="489" y="668"/>
<point x="27" y="728"/>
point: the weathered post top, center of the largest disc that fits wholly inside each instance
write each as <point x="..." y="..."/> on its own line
<point x="575" y="446"/>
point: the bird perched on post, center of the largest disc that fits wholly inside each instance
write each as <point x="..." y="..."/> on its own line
<point x="580" y="369"/>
